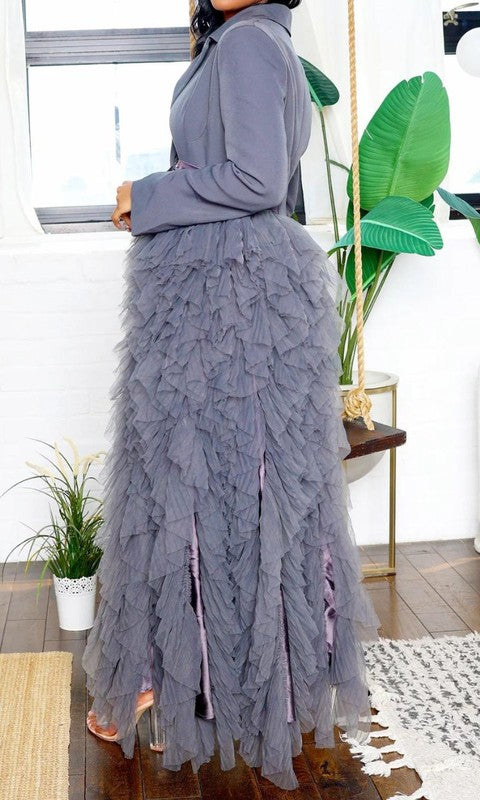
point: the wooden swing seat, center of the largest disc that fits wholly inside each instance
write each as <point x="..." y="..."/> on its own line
<point x="363" y="441"/>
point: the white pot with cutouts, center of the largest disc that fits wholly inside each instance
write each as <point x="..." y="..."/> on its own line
<point x="75" y="602"/>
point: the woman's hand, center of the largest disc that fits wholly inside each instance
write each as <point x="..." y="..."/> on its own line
<point x="124" y="206"/>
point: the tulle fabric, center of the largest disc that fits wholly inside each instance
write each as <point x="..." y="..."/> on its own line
<point x="204" y="698"/>
<point x="229" y="362"/>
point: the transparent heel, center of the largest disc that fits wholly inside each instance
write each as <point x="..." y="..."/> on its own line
<point x="157" y="741"/>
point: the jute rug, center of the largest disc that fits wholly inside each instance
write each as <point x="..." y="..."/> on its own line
<point x="34" y="725"/>
<point x="427" y="692"/>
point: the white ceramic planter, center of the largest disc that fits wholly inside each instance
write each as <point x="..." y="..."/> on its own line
<point x="378" y="386"/>
<point x="75" y="602"/>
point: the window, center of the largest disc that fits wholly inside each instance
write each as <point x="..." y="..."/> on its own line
<point x="463" y="91"/>
<point x="100" y="79"/>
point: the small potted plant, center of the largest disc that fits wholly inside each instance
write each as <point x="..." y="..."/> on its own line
<point x="68" y="542"/>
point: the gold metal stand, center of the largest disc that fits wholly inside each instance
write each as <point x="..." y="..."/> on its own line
<point x="389" y="568"/>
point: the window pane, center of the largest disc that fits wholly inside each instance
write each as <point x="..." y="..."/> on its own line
<point x="464" y="170"/>
<point x="45" y="15"/>
<point x="93" y="127"/>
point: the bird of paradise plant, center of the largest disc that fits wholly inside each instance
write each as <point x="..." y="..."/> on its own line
<point x="68" y="543"/>
<point x="404" y="155"/>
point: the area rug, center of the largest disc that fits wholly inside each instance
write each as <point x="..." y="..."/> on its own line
<point x="34" y="725"/>
<point x="427" y="692"/>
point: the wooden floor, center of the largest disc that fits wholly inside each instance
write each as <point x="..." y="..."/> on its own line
<point x="436" y="591"/>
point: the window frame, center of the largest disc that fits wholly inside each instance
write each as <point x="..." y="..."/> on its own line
<point x="452" y="33"/>
<point x="96" y="46"/>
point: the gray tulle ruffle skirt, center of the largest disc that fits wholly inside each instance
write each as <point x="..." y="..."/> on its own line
<point x="230" y="579"/>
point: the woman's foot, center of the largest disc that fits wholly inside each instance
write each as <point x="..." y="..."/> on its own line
<point x="144" y="699"/>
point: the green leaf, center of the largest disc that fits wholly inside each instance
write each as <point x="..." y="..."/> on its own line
<point x="370" y="257"/>
<point x="476" y="228"/>
<point x="462" y="207"/>
<point x="458" y="204"/>
<point x="397" y="224"/>
<point x="322" y="91"/>
<point x="428" y="203"/>
<point x="405" y="148"/>
<point x="349" y="218"/>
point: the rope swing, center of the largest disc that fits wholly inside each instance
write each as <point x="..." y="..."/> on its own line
<point x="357" y="403"/>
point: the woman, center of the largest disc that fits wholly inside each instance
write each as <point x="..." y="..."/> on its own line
<point x="231" y="597"/>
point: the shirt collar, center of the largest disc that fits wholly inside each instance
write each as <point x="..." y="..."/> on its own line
<point x="275" y="11"/>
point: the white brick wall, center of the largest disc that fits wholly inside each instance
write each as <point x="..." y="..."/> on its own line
<point x="426" y="329"/>
<point x="59" y="321"/>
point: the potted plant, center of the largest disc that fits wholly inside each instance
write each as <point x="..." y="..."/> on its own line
<point x="68" y="543"/>
<point x="404" y="155"/>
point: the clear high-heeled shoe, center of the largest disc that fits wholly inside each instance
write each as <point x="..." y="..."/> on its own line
<point x="145" y="702"/>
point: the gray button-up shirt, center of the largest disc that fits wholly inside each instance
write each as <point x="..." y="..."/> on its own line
<point x="240" y="117"/>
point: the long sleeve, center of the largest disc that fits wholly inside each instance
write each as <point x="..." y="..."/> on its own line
<point x="253" y="80"/>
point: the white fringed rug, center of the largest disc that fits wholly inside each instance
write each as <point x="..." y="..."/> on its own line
<point x="427" y="692"/>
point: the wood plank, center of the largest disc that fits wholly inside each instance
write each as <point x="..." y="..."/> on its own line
<point x="108" y="774"/>
<point x="306" y="790"/>
<point x="458" y="545"/>
<point x="78" y="705"/>
<point x="28" y="600"/>
<point x="416" y="547"/>
<point x="402" y="780"/>
<point x="430" y="608"/>
<point x="33" y="573"/>
<point x="378" y="554"/>
<point x="364" y="557"/>
<point x="22" y="636"/>
<point x="362" y="441"/>
<point x="397" y="620"/>
<point x="460" y="596"/>
<point x="368" y="558"/>
<point x="238" y="783"/>
<point x="462" y="556"/>
<point x="25" y="624"/>
<point x="76" y="788"/>
<point x="337" y="774"/>
<point x="428" y="605"/>
<point x="160" y="783"/>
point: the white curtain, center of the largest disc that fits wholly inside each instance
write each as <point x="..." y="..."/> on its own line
<point x="17" y="217"/>
<point x="395" y="39"/>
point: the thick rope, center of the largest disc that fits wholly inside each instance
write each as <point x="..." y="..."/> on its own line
<point x="193" y="6"/>
<point x="357" y="403"/>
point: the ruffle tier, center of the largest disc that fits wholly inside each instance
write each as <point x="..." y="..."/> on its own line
<point x="229" y="361"/>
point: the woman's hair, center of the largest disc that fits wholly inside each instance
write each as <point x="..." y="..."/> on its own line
<point x="206" y="19"/>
